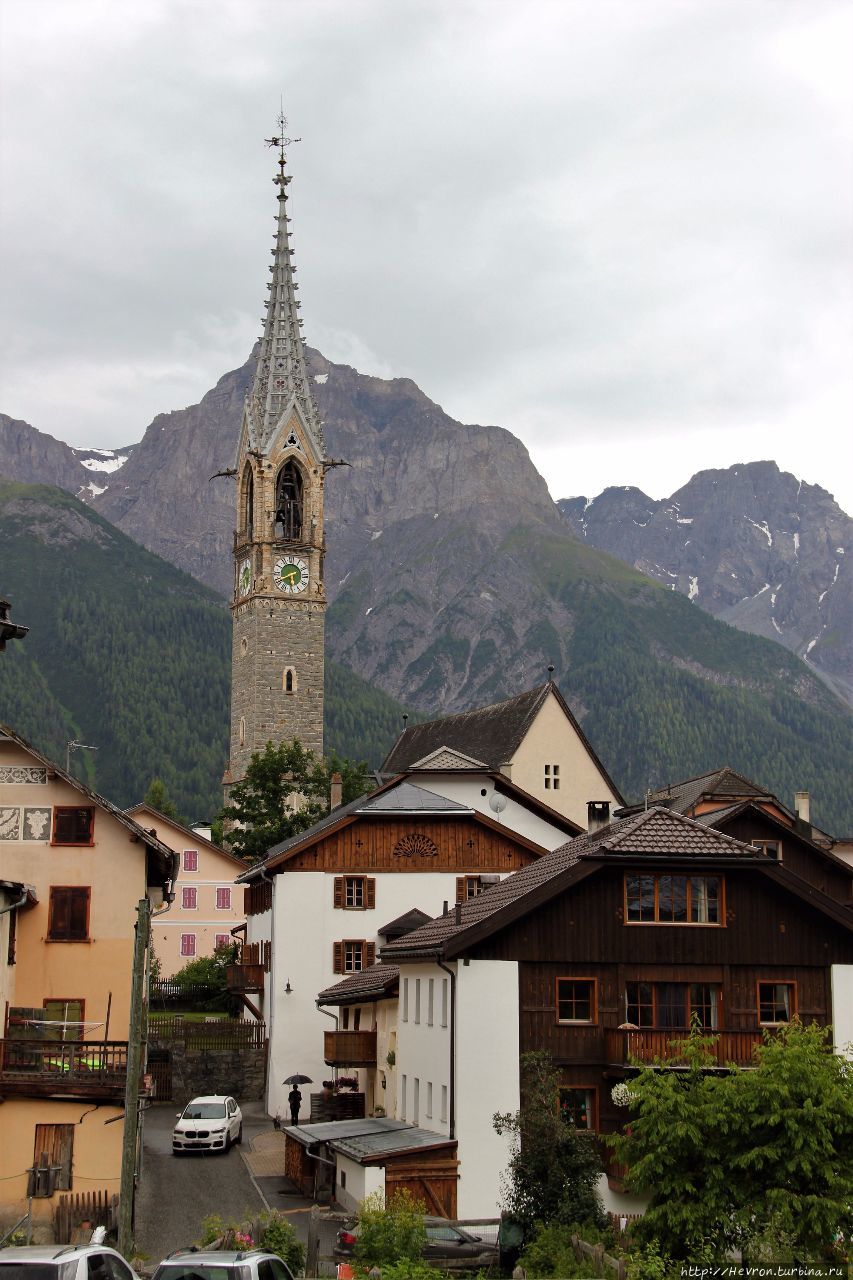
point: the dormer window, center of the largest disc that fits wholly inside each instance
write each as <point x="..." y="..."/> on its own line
<point x="289" y="502"/>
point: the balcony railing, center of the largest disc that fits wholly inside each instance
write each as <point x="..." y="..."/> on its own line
<point x="63" y="1068"/>
<point x="648" y="1043"/>
<point x="244" y="977"/>
<point x="350" y="1048"/>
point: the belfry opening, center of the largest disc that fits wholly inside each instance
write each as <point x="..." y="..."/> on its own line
<point x="289" y="503"/>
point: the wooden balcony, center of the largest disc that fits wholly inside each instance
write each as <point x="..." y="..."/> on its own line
<point x="63" y="1068"/>
<point x="649" y="1043"/>
<point x="349" y="1048"/>
<point x="241" y="978"/>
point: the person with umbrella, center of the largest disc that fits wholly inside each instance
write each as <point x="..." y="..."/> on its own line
<point x="294" y="1098"/>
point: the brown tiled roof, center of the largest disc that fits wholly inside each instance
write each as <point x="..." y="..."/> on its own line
<point x="652" y="833"/>
<point x="409" y="920"/>
<point x="681" y="796"/>
<point x="370" y="984"/>
<point x="491" y="734"/>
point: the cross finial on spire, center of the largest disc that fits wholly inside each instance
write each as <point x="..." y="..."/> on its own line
<point x="281" y="140"/>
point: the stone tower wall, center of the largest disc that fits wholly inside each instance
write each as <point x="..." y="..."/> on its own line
<point x="272" y="636"/>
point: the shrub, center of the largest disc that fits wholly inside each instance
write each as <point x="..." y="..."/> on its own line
<point x="550" y="1252"/>
<point x="279" y="1237"/>
<point x="390" y="1232"/>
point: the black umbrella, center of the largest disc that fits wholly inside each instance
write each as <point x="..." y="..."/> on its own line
<point x="298" y="1079"/>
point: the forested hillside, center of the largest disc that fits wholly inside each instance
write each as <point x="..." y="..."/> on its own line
<point x="130" y="655"/>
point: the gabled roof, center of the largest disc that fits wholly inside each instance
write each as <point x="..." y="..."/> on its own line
<point x="491" y="734"/>
<point x="405" y="797"/>
<point x="412" y="919"/>
<point x="195" y="836"/>
<point x="716" y="818"/>
<point x="446" y="758"/>
<point x="653" y="833"/>
<point x="167" y="856"/>
<point x="681" y="796"/>
<point x="397" y="798"/>
<point x="374" y="983"/>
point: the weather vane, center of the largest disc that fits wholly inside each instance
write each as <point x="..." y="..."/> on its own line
<point x="281" y="140"/>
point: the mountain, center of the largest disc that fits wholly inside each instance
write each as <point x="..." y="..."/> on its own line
<point x="132" y="656"/>
<point x="752" y="545"/>
<point x="455" y="580"/>
<point x="32" y="457"/>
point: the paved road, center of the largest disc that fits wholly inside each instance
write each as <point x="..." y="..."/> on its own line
<point x="177" y="1193"/>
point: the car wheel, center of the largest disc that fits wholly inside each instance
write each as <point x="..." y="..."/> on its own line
<point x="227" y="1146"/>
<point x="239" y="1137"/>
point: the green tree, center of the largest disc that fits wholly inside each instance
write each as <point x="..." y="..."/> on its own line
<point x="210" y="972"/>
<point x="390" y="1231"/>
<point x="759" y="1159"/>
<point x="158" y="798"/>
<point x="553" y="1168"/>
<point x="265" y="806"/>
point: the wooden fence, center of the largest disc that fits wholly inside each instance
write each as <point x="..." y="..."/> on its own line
<point x="98" y="1208"/>
<point x="217" y="1034"/>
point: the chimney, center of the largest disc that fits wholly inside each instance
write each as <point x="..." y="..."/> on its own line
<point x="457" y="915"/>
<point x="802" y="806"/>
<point x="444" y="908"/>
<point x="597" y="815"/>
<point x="337" y="791"/>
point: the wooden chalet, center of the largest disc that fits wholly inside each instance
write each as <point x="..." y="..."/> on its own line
<point x="618" y="939"/>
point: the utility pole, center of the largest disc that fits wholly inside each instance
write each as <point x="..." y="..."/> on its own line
<point x="131" y="1092"/>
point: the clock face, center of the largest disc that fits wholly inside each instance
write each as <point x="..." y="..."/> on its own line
<point x="244" y="578"/>
<point x="290" y="574"/>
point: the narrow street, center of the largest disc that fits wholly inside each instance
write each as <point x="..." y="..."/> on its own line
<point x="177" y="1193"/>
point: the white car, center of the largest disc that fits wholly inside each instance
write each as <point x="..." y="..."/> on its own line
<point x="63" y="1262"/>
<point x="211" y="1123"/>
<point x="201" y="1264"/>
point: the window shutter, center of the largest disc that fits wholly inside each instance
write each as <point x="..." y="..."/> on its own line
<point x="338" y="957"/>
<point x="339" y="891"/>
<point x="247" y="900"/>
<point x="267" y="956"/>
<point x="460" y="888"/>
<point x="370" y="894"/>
<point x="369" y="954"/>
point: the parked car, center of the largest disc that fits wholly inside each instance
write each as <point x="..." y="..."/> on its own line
<point x="208" y="1124"/>
<point x="446" y="1246"/>
<point x="215" y="1264"/>
<point x="63" y="1262"/>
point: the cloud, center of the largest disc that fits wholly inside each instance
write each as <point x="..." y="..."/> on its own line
<point x="618" y="225"/>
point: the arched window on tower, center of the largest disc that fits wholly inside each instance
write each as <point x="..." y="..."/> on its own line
<point x="248" y="502"/>
<point x="289" y="502"/>
<point x="288" y="680"/>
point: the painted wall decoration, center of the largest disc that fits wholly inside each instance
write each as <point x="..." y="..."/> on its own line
<point x="10" y="824"/>
<point x="18" y="773"/>
<point x="36" y="824"/>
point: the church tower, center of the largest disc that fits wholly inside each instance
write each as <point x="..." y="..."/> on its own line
<point x="279" y="604"/>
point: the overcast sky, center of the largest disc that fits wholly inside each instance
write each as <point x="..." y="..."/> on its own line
<point x="619" y="228"/>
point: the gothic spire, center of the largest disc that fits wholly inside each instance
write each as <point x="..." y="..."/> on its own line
<point x="281" y="376"/>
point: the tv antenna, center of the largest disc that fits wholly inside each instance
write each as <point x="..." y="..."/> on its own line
<point x="75" y="746"/>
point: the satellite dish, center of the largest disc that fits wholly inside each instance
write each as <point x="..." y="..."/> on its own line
<point x="497" y="802"/>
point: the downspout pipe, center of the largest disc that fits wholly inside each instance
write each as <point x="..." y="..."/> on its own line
<point x="452" y="1109"/>
<point x="13" y="906"/>
<point x="336" y="1021"/>
<point x="269" y="1005"/>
